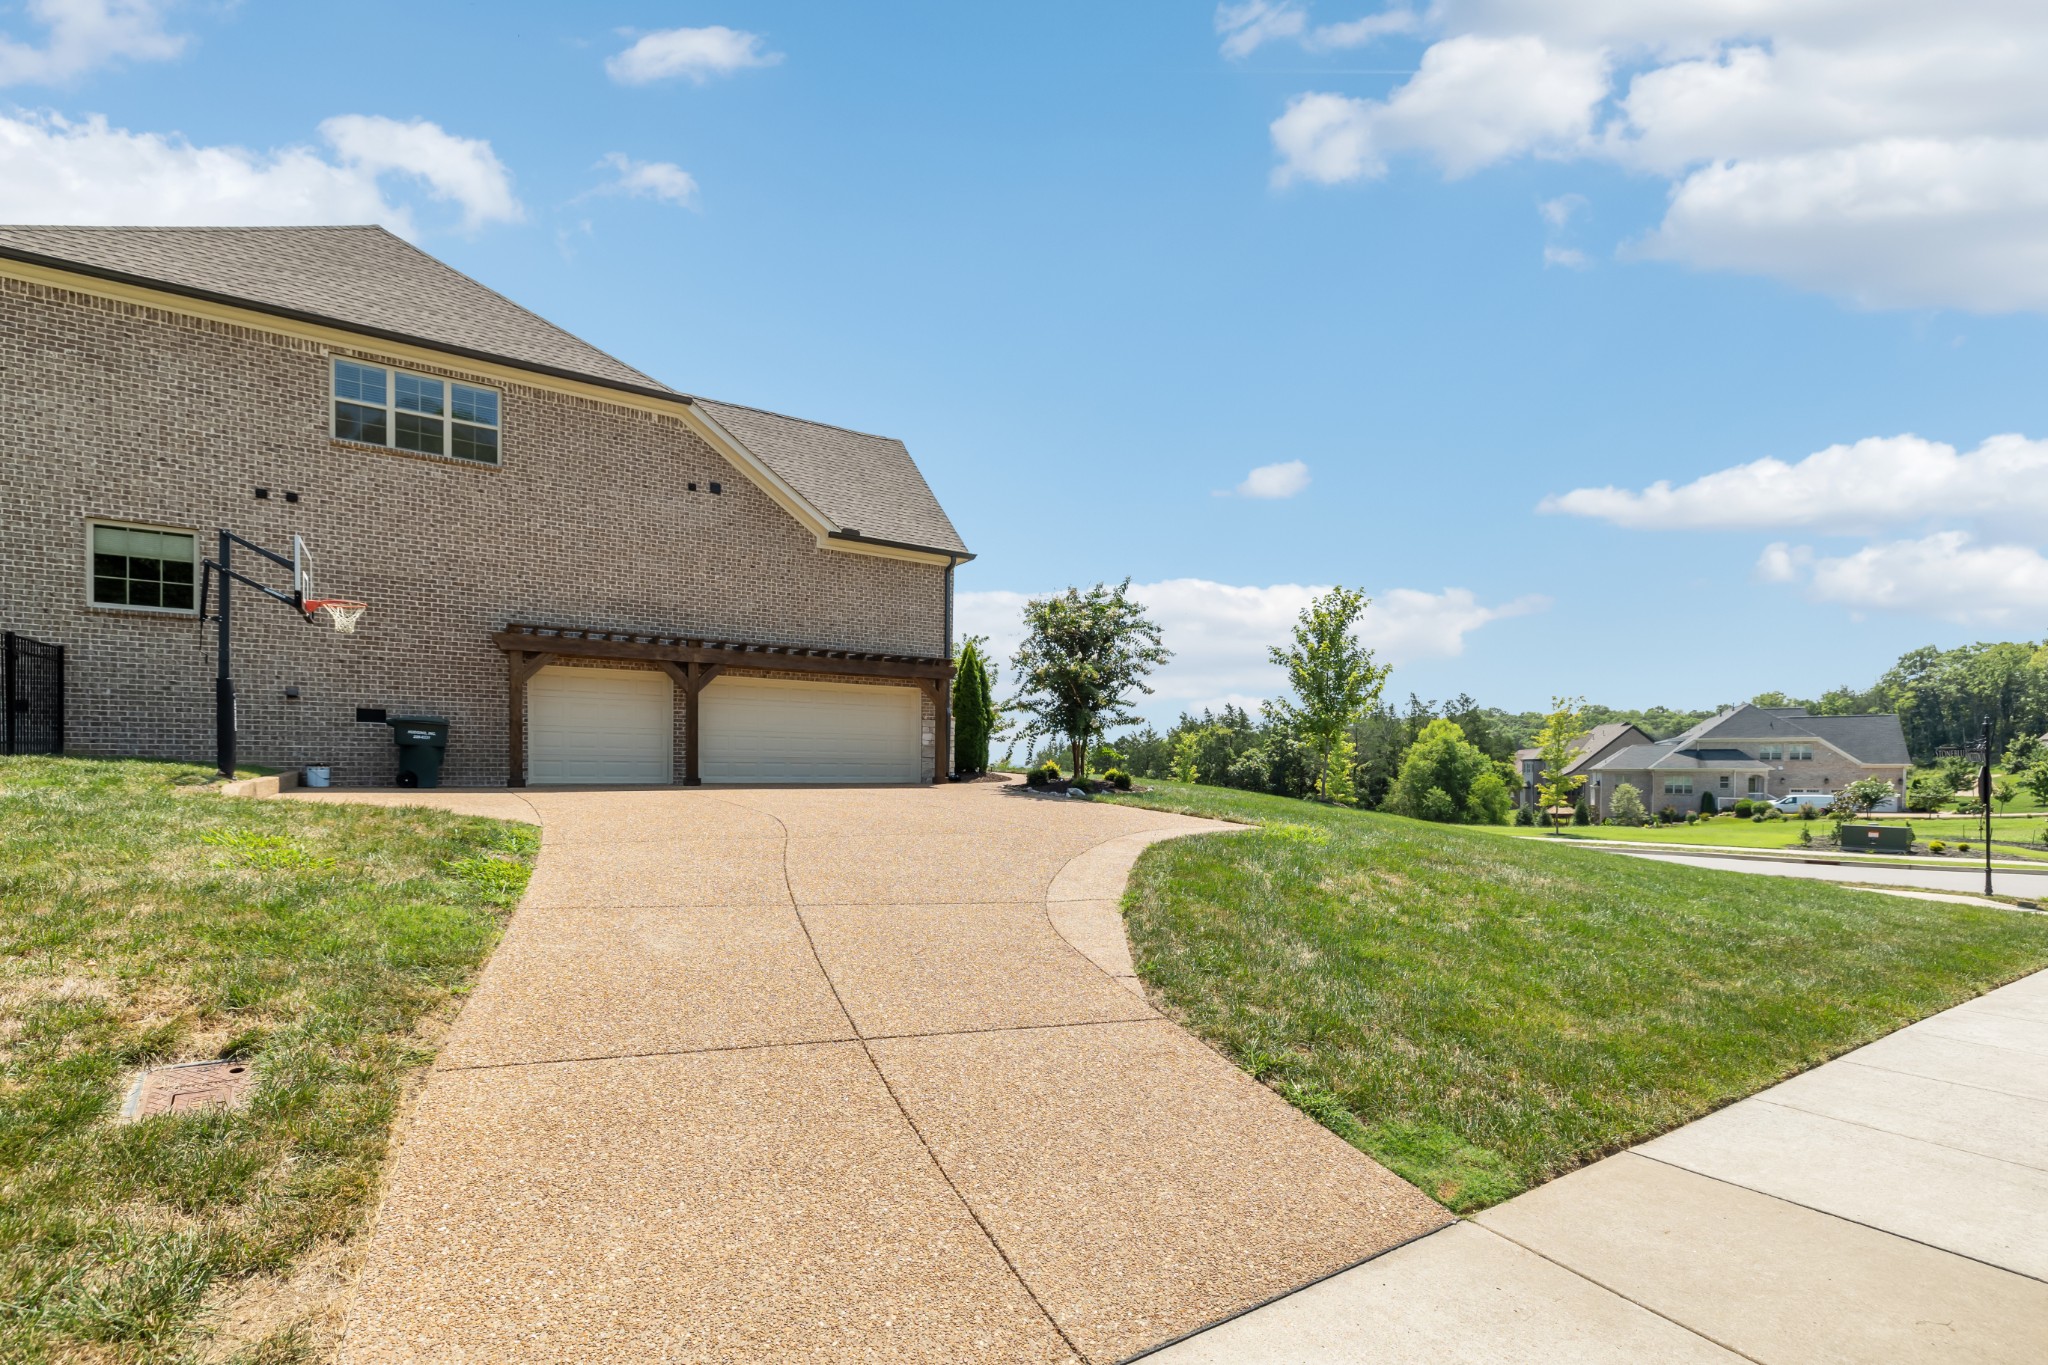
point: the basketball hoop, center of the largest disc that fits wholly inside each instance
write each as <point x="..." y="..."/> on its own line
<point x="341" y="612"/>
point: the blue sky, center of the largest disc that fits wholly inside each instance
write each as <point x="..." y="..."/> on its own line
<point x="1473" y="278"/>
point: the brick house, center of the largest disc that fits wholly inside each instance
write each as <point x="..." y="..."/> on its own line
<point x="1598" y="743"/>
<point x="592" y="576"/>
<point x="1757" y="753"/>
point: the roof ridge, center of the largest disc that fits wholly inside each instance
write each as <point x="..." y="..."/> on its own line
<point x="791" y="417"/>
<point x="517" y="306"/>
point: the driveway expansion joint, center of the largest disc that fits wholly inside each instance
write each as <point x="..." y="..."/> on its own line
<point x="650" y="1136"/>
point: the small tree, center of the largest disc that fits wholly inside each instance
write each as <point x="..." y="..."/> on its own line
<point x="1557" y="742"/>
<point x="1334" y="679"/>
<point x="1184" y="750"/>
<point x="1339" y="785"/>
<point x="974" y="707"/>
<point x="1708" y="804"/>
<point x="1858" y="797"/>
<point x="2035" y="780"/>
<point x="1626" y="805"/>
<point x="1084" y="656"/>
<point x="2004" y="791"/>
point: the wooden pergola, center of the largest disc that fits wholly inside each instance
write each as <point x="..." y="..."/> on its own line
<point x="692" y="662"/>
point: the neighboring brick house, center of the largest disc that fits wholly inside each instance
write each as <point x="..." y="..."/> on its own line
<point x="1596" y="744"/>
<point x="591" y="575"/>
<point x="1759" y="753"/>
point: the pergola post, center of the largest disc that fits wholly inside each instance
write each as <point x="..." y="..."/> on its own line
<point x="520" y="666"/>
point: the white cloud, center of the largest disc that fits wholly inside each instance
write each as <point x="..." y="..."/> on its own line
<point x="1359" y="32"/>
<point x="1569" y="257"/>
<point x="1946" y="575"/>
<point x="1877" y="482"/>
<point x="84" y="34"/>
<point x="1248" y="26"/>
<point x="1252" y="24"/>
<point x="1559" y="212"/>
<point x="462" y="170"/>
<point x="663" y="180"/>
<point x="696" y="54"/>
<point x="56" y="171"/>
<point x="1890" y="152"/>
<point x="1281" y="480"/>
<point x="1219" y="633"/>
<point x="1474" y="101"/>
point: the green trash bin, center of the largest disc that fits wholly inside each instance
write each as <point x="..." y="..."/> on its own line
<point x="422" y="741"/>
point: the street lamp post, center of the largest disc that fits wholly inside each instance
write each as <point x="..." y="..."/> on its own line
<point x="1984" y="800"/>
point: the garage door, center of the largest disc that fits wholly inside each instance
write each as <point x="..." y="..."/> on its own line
<point x="772" y="730"/>
<point x="600" y="725"/>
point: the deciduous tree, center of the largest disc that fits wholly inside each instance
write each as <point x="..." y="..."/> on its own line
<point x="1333" y="676"/>
<point x="1084" y="658"/>
<point x="1557" y="742"/>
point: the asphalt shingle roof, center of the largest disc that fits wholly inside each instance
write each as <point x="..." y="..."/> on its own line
<point x="863" y="483"/>
<point x="1877" y="740"/>
<point x="361" y="278"/>
<point x="366" y="280"/>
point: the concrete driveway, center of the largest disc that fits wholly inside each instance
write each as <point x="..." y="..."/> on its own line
<point x="839" y="1074"/>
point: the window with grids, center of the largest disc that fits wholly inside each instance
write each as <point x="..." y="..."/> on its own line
<point x="1771" y="753"/>
<point x="1802" y="753"/>
<point x="1678" y="786"/>
<point x="386" y="407"/>
<point x="142" y="566"/>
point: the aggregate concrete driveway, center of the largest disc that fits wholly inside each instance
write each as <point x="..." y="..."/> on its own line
<point x="839" y="1074"/>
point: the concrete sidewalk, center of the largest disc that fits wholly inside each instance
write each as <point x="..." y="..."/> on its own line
<point x="2031" y="883"/>
<point x="1889" y="1206"/>
<point x="818" y="1074"/>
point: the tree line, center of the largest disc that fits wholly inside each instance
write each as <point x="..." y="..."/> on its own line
<point x="1086" y="658"/>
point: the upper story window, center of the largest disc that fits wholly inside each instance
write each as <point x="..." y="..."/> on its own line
<point x="144" y="567"/>
<point x="1801" y="752"/>
<point x="386" y="407"/>
<point x="1770" y="753"/>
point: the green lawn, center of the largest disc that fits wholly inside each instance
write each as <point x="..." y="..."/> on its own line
<point x="2012" y="835"/>
<point x="142" y="924"/>
<point x="1482" y="1014"/>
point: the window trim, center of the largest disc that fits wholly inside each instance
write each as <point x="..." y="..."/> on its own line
<point x="391" y="411"/>
<point x="1678" y="786"/>
<point x="92" y="603"/>
<point x="1799" y="753"/>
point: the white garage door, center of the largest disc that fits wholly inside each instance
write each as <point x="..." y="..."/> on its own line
<point x="600" y="725"/>
<point x="775" y="730"/>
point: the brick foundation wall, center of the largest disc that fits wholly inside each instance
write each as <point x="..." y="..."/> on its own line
<point x="128" y="413"/>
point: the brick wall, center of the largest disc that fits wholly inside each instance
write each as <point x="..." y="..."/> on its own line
<point x="122" y="412"/>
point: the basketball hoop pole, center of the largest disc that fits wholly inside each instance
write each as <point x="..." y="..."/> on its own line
<point x="223" y="676"/>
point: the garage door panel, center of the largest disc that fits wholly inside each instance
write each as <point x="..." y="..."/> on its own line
<point x="600" y="725"/>
<point x="772" y="730"/>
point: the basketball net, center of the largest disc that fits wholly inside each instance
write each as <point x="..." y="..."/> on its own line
<point x="341" y="612"/>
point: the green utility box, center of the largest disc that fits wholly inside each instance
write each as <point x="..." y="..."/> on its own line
<point x="1878" y="838"/>
<point x="422" y="741"/>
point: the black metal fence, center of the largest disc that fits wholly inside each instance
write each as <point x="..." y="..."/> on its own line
<point x="33" y="683"/>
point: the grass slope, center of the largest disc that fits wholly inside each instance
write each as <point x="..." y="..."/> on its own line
<point x="1482" y="1014"/>
<point x="140" y="925"/>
